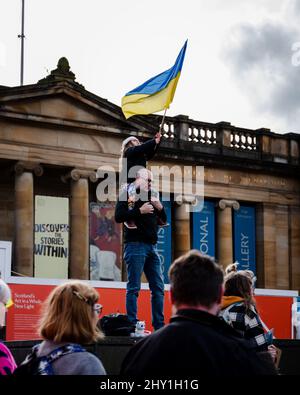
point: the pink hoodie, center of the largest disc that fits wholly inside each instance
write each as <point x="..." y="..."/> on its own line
<point x="7" y="362"/>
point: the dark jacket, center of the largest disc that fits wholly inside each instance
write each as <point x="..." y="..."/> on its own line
<point x="138" y="156"/>
<point x="195" y="343"/>
<point x="147" y="228"/>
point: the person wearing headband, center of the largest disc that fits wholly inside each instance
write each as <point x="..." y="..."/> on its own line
<point x="68" y="323"/>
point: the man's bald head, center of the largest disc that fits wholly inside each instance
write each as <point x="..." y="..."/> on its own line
<point x="144" y="178"/>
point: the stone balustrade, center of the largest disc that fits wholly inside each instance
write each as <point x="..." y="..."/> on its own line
<point x="227" y="140"/>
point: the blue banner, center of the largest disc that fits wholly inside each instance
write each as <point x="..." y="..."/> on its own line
<point x="164" y="241"/>
<point x="204" y="229"/>
<point x="244" y="238"/>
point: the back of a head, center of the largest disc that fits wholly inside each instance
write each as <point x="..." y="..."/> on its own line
<point x="251" y="275"/>
<point x="195" y="280"/>
<point x="233" y="268"/>
<point x="68" y="314"/>
<point x="239" y="284"/>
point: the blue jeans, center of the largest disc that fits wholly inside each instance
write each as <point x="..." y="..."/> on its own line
<point x="141" y="257"/>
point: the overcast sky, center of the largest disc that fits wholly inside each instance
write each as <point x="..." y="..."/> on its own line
<point x="238" y="66"/>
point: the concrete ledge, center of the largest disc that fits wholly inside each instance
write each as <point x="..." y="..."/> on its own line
<point x="112" y="351"/>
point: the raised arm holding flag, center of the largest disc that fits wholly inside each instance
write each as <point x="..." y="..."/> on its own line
<point x="142" y="213"/>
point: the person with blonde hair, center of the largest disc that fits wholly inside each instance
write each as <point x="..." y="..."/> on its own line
<point x="69" y="321"/>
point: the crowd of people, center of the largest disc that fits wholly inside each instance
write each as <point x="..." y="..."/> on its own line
<point x="203" y="337"/>
<point x="215" y="328"/>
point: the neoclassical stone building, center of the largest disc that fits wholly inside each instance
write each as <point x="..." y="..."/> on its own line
<point x="54" y="135"/>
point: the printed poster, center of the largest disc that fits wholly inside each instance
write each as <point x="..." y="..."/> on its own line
<point x="105" y="243"/>
<point x="51" y="237"/>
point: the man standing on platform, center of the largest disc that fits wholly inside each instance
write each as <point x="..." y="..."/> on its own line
<point x="140" y="251"/>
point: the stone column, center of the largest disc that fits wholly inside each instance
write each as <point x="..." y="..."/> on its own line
<point x="274" y="234"/>
<point x="24" y="216"/>
<point x="79" y="240"/>
<point x="260" y="268"/>
<point x="282" y="247"/>
<point x="182" y="234"/>
<point x="266" y="246"/>
<point x="295" y="247"/>
<point x="224" y="236"/>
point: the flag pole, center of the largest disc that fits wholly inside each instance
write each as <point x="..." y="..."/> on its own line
<point x="163" y="121"/>
<point x="22" y="36"/>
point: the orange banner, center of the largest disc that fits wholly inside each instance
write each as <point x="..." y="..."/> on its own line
<point x="23" y="316"/>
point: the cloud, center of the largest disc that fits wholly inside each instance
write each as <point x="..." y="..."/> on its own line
<point x="3" y="55"/>
<point x="294" y="6"/>
<point x="259" y="57"/>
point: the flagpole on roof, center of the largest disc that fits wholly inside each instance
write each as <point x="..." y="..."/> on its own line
<point x="22" y="36"/>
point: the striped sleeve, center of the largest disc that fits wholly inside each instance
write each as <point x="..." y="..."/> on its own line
<point x="254" y="331"/>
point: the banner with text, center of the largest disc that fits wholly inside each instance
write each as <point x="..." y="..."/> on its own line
<point x="244" y="238"/>
<point x="23" y="317"/>
<point x="51" y="237"/>
<point x="204" y="229"/>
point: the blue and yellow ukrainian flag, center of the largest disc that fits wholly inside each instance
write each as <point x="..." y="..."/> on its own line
<point x="155" y="94"/>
